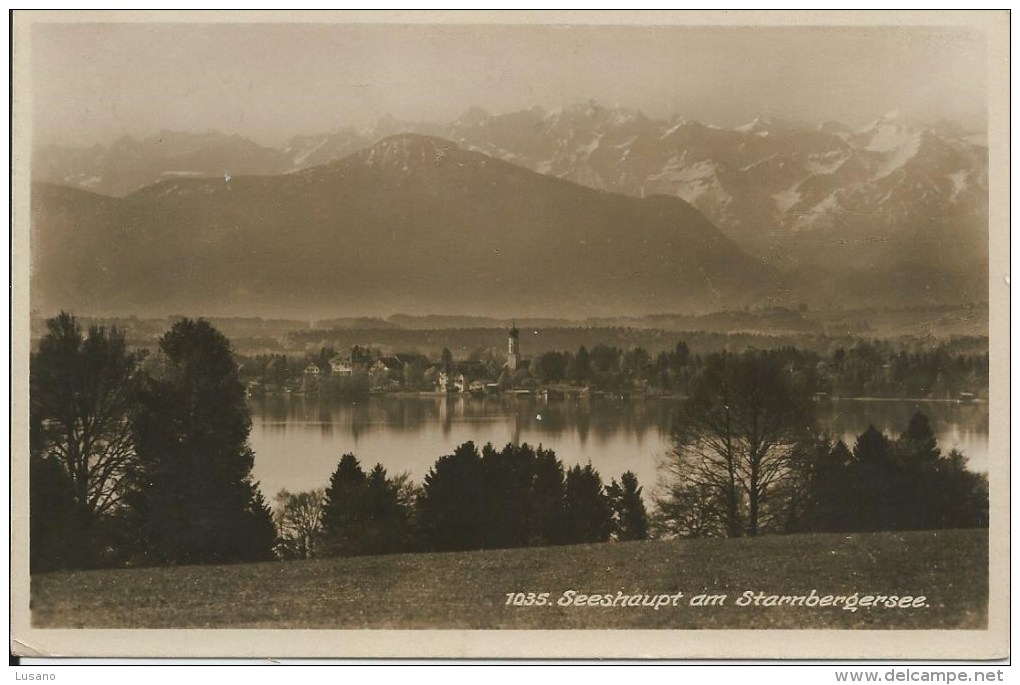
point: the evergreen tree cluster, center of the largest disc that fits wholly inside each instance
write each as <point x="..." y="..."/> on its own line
<point x="890" y="484"/>
<point x="363" y="513"/>
<point x="141" y="460"/>
<point x="521" y="496"/>
<point x="518" y="496"/>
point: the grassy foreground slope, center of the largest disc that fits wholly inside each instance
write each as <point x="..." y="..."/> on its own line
<point x="469" y="589"/>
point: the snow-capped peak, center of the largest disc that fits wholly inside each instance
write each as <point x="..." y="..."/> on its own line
<point x="764" y="124"/>
<point x="407" y="150"/>
<point x="759" y="124"/>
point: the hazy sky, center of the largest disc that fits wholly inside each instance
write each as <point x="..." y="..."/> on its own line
<point x="93" y="83"/>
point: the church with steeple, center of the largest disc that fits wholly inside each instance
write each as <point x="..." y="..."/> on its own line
<point x="513" y="352"/>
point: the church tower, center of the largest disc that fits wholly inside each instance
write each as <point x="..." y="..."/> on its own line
<point x="513" y="352"/>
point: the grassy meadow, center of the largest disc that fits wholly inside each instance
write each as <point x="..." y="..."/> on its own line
<point x="467" y="590"/>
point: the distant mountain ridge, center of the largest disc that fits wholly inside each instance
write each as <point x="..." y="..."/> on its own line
<point x="130" y="164"/>
<point x="411" y="223"/>
<point x="892" y="212"/>
<point x="785" y="190"/>
<point x="764" y="176"/>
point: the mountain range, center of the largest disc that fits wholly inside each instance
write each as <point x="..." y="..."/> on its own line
<point x="894" y="212"/>
<point x="413" y="223"/>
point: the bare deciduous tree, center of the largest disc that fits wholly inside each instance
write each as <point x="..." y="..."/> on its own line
<point x="299" y="522"/>
<point x="80" y="400"/>
<point x="734" y="446"/>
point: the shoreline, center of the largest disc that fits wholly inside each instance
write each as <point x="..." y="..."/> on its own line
<point x="585" y="395"/>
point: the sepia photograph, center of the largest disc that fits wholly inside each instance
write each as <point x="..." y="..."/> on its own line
<point x="511" y="334"/>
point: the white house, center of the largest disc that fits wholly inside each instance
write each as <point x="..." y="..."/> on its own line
<point x="339" y="366"/>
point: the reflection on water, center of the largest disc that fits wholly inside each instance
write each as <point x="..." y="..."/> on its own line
<point x="596" y="418"/>
<point x="299" y="439"/>
<point x="960" y="426"/>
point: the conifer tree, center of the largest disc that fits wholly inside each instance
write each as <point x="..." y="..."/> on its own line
<point x="588" y="514"/>
<point x="343" y="514"/>
<point x="194" y="500"/>
<point x="630" y="519"/>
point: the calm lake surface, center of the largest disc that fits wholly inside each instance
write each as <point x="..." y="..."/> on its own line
<point x="298" y="439"/>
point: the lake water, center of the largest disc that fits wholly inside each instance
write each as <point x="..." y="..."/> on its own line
<point x="298" y="439"/>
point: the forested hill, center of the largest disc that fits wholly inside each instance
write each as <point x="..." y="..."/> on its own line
<point x="412" y="223"/>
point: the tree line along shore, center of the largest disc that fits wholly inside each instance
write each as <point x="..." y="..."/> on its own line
<point x="142" y="458"/>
